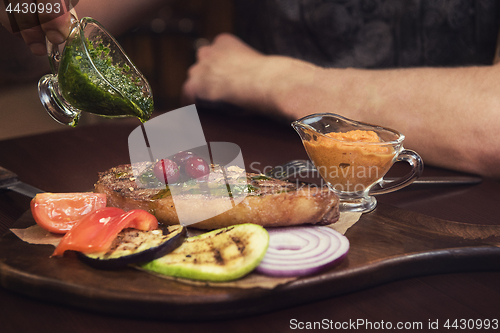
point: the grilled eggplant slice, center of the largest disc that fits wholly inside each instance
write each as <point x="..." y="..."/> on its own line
<point x="133" y="246"/>
<point x="220" y="255"/>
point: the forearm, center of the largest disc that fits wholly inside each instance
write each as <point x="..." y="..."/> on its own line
<point x="450" y="116"/>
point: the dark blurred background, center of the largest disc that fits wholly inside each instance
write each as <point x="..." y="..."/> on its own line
<point x="162" y="47"/>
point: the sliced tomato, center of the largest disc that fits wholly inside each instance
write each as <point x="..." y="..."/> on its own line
<point x="96" y="231"/>
<point x="59" y="212"/>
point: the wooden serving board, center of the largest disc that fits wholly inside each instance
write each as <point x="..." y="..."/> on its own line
<point x="386" y="245"/>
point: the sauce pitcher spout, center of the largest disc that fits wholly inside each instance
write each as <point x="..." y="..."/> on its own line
<point x="305" y="132"/>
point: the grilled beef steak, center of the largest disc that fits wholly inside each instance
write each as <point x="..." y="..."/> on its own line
<point x="268" y="202"/>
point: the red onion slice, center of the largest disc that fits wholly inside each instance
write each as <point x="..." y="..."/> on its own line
<point x="300" y="251"/>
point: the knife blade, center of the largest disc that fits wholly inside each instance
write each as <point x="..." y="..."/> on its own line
<point x="10" y="181"/>
<point x="443" y="180"/>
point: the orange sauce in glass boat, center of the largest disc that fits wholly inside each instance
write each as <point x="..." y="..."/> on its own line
<point x="350" y="161"/>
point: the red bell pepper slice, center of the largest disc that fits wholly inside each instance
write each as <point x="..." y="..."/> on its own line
<point x="96" y="231"/>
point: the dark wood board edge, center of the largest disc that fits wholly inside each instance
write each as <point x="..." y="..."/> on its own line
<point x="294" y="294"/>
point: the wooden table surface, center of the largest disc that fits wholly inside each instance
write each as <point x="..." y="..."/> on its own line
<point x="68" y="161"/>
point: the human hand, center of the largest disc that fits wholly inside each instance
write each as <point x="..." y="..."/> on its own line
<point x="34" y="20"/>
<point x="228" y="71"/>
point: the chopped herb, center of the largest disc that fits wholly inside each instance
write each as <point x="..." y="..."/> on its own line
<point x="163" y="193"/>
<point x="121" y="174"/>
<point x="261" y="177"/>
<point x="149" y="179"/>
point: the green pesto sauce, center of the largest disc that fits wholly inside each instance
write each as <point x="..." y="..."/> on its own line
<point x="84" y="88"/>
<point x="193" y="187"/>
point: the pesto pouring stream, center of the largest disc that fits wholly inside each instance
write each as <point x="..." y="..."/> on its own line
<point x="83" y="86"/>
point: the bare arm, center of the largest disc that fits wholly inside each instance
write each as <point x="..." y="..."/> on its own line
<point x="450" y="116"/>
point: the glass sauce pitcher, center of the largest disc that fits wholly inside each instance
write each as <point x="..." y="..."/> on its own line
<point x="352" y="157"/>
<point x="93" y="74"/>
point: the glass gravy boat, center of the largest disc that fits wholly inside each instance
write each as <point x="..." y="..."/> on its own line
<point x="352" y="157"/>
<point x="93" y="74"/>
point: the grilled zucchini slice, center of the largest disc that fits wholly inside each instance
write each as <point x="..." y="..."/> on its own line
<point x="220" y="255"/>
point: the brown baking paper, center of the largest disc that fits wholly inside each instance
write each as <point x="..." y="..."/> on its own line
<point x="37" y="235"/>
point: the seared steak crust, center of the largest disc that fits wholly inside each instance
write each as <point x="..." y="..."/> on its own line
<point x="268" y="202"/>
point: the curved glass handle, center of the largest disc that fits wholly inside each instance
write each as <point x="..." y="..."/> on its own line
<point x="54" y="56"/>
<point x="55" y="104"/>
<point x="417" y="165"/>
<point x="53" y="50"/>
<point x="48" y="86"/>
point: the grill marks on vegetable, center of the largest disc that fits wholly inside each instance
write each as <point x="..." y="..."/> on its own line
<point x="137" y="246"/>
<point x="239" y="243"/>
<point x="205" y="250"/>
<point x="130" y="240"/>
<point x="219" y="255"/>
